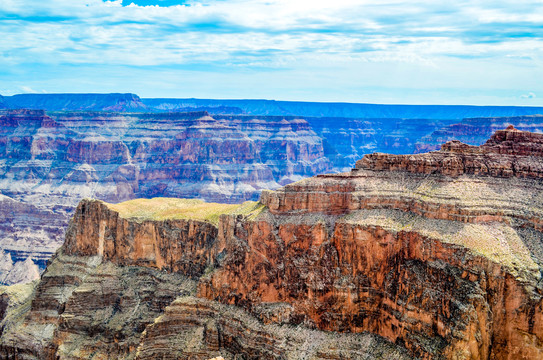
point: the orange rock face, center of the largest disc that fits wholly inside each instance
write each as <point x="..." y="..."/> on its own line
<point x="430" y="282"/>
<point x="174" y="245"/>
<point x="428" y="296"/>
<point x="442" y="260"/>
<point x="508" y="153"/>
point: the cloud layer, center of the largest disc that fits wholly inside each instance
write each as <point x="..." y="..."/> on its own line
<point x="370" y="51"/>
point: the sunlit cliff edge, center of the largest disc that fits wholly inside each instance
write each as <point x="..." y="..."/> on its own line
<point x="436" y="255"/>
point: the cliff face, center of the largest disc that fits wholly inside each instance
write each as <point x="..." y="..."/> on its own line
<point x="508" y="153"/>
<point x="49" y="162"/>
<point x="434" y="265"/>
<point x="122" y="287"/>
<point x="475" y="131"/>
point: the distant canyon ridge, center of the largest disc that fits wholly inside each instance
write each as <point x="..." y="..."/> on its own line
<point x="56" y="149"/>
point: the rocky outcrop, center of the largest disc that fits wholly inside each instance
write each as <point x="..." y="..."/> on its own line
<point x="175" y="245"/>
<point x="96" y="300"/>
<point x="508" y="153"/>
<point x="203" y="329"/>
<point x="89" y="310"/>
<point x="446" y="266"/>
<point x="21" y="272"/>
<point x="435" y="266"/>
<point x="476" y="131"/>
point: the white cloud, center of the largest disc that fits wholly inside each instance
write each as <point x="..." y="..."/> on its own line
<point x="283" y="35"/>
<point x="29" y="90"/>
<point x="530" y="95"/>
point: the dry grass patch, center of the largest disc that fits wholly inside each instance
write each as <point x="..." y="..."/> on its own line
<point x="496" y="241"/>
<point x="172" y="208"/>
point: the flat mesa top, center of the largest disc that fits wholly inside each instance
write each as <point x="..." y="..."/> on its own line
<point x="160" y="209"/>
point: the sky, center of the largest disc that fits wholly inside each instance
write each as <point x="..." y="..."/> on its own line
<point x="480" y="52"/>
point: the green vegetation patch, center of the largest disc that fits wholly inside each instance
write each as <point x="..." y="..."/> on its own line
<point x="159" y="209"/>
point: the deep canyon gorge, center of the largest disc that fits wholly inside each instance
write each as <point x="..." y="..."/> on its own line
<point x="433" y="255"/>
<point x="116" y="147"/>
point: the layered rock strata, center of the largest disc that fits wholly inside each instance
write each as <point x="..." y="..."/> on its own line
<point x="199" y="328"/>
<point x="476" y="131"/>
<point x="435" y="265"/>
<point x="508" y="153"/>
<point x="50" y="161"/>
<point x="111" y="294"/>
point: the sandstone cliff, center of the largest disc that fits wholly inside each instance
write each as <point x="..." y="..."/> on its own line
<point x="49" y="162"/>
<point x="475" y="131"/>
<point x="123" y="286"/>
<point x="394" y="260"/>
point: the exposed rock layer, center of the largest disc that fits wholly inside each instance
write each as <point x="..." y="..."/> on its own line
<point x="49" y="162"/>
<point x="508" y="153"/>
<point x="442" y="266"/>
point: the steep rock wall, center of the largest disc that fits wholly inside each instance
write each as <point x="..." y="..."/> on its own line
<point x="441" y="266"/>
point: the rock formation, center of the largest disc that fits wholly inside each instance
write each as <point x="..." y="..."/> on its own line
<point x="49" y="162"/>
<point x="508" y="153"/>
<point x="21" y="272"/>
<point x="404" y="256"/>
<point x="475" y="131"/>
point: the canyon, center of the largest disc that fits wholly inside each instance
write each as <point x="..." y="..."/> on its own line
<point x="432" y="256"/>
<point x="116" y="147"/>
<point x="50" y="161"/>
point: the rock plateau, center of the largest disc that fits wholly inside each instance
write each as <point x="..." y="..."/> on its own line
<point x="431" y="256"/>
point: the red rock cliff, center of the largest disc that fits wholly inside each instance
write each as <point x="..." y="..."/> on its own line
<point x="440" y="259"/>
<point x="447" y="266"/>
<point x="508" y="153"/>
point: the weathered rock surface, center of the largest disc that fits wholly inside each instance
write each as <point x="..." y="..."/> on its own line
<point x="20" y="272"/>
<point x="49" y="162"/>
<point x="196" y="328"/>
<point x="87" y="309"/>
<point x="476" y="131"/>
<point x="508" y="153"/>
<point x="31" y="231"/>
<point x="93" y="304"/>
<point x="443" y="266"/>
<point x="116" y="157"/>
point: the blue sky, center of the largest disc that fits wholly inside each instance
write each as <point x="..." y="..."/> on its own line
<point x="409" y="52"/>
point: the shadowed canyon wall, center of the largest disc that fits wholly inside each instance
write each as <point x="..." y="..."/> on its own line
<point x="439" y="260"/>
